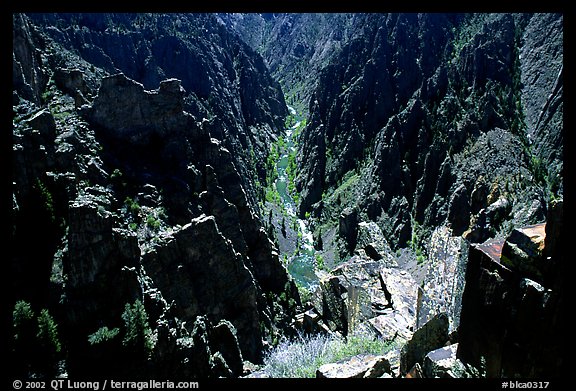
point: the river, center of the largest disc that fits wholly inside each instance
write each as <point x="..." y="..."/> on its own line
<point x="302" y="264"/>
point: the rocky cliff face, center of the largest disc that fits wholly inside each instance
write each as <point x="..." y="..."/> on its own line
<point x="430" y="172"/>
<point x="409" y="111"/>
<point x="441" y="132"/>
<point x="221" y="75"/>
<point x="137" y="144"/>
<point x="514" y="295"/>
<point x="296" y="47"/>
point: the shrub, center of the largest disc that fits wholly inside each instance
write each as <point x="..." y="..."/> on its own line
<point x="153" y="222"/>
<point x="305" y="294"/>
<point x="300" y="358"/>
<point x="303" y="356"/>
<point x="132" y="206"/>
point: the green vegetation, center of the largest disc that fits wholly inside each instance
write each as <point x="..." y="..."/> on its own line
<point x="319" y="261"/>
<point x="48" y="334"/>
<point x="466" y="32"/>
<point x="138" y="332"/>
<point x="291" y="171"/>
<point x="415" y="243"/>
<point x="103" y="334"/>
<point x="132" y="206"/>
<point x="23" y="320"/>
<point x="300" y="358"/>
<point x="36" y="342"/>
<point x="46" y="199"/>
<point x="273" y="196"/>
<point x="305" y="294"/>
<point x="116" y="175"/>
<point x="153" y="222"/>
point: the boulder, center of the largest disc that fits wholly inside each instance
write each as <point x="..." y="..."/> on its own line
<point x="399" y="286"/>
<point x="364" y="290"/>
<point x="439" y="362"/>
<point x="393" y="326"/>
<point x="444" y="281"/>
<point x="360" y="366"/>
<point x="393" y="357"/>
<point x="432" y="335"/>
<point x="334" y="310"/>
<point x="372" y="241"/>
<point x="523" y="251"/>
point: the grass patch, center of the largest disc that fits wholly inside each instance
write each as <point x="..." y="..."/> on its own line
<point x="300" y="358"/>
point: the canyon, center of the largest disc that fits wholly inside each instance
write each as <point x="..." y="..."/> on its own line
<point x="189" y="191"/>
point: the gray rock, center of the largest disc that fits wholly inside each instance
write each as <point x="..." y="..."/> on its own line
<point x="28" y="76"/>
<point x="431" y="336"/>
<point x="223" y="341"/>
<point x="541" y="70"/>
<point x="444" y="282"/>
<point x="348" y="227"/>
<point x="440" y="362"/>
<point x="129" y="112"/>
<point x="334" y="310"/>
<point x="372" y="241"/>
<point x="503" y="312"/>
<point x="71" y="81"/>
<point x="197" y="268"/>
<point x="458" y="210"/>
<point x="99" y="265"/>
<point x="360" y="366"/>
<point x="523" y="250"/>
<point x="364" y="290"/>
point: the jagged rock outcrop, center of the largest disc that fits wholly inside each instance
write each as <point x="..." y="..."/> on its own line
<point x="151" y="251"/>
<point x="348" y="227"/>
<point x="364" y="292"/>
<point x="372" y="242"/>
<point x="222" y="76"/>
<point x="131" y="114"/>
<point x="198" y="270"/>
<point x="505" y="312"/>
<point x="444" y="282"/>
<point x="28" y="77"/>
